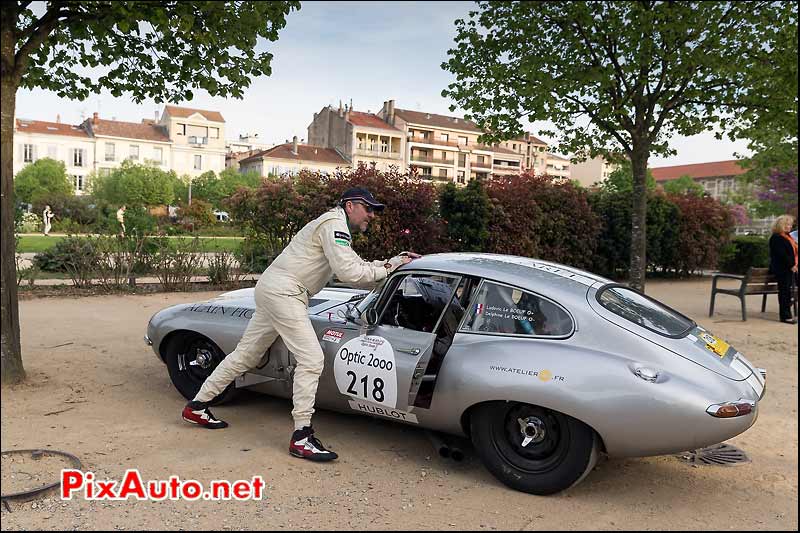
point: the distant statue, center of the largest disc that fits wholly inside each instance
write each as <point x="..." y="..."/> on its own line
<point x="47" y="216"/>
<point x="121" y="220"/>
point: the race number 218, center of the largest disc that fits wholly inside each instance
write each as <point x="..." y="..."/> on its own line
<point x="376" y="391"/>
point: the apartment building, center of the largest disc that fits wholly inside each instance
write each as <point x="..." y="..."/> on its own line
<point x="198" y="139"/>
<point x="592" y="171"/>
<point x="718" y="178"/>
<point x="533" y="150"/>
<point x="360" y="138"/>
<point x="187" y="141"/>
<point x="444" y="148"/>
<point x="557" y="166"/>
<point x="291" y="158"/>
<point x="36" y="139"/>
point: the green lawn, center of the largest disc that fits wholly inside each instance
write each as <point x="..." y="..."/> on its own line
<point x="39" y="243"/>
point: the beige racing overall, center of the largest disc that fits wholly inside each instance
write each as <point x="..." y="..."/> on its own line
<point x="320" y="249"/>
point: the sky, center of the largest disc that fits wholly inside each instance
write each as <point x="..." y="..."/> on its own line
<point x="366" y="52"/>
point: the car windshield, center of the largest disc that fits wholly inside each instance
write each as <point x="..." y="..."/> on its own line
<point x="644" y="311"/>
<point x="369" y="300"/>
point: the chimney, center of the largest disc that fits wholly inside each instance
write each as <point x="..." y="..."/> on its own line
<point x="155" y="114"/>
<point x="58" y="118"/>
<point x="341" y="112"/>
<point x="294" y="145"/>
<point x="390" y="112"/>
<point x="351" y="104"/>
<point x="95" y="118"/>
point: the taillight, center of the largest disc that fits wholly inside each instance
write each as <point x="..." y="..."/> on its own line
<point x="731" y="409"/>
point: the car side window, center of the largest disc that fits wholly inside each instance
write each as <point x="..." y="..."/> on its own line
<point x="418" y="301"/>
<point x="499" y="308"/>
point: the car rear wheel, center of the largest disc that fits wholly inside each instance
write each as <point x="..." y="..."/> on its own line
<point x="533" y="449"/>
<point x="190" y="359"/>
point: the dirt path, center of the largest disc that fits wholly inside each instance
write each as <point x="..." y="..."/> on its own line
<point x="86" y="355"/>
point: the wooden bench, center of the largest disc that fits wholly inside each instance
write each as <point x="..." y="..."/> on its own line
<point x="756" y="281"/>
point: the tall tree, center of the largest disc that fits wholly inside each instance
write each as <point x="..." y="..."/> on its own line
<point x="621" y="76"/>
<point x="40" y="179"/>
<point x="159" y="50"/>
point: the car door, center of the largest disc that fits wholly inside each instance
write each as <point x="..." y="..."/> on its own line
<point x="380" y="370"/>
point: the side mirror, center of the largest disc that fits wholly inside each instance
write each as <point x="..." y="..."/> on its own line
<point x="371" y="317"/>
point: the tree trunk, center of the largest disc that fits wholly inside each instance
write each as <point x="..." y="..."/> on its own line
<point x="638" y="263"/>
<point x="11" y="369"/>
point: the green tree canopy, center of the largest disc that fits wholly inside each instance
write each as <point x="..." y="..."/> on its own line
<point x="684" y="185"/>
<point x="622" y="76"/>
<point x="135" y="185"/>
<point x="214" y="189"/>
<point x="42" y="178"/>
<point x="621" y="180"/>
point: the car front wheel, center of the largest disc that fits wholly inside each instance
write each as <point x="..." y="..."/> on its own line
<point x="190" y="359"/>
<point x="533" y="449"/>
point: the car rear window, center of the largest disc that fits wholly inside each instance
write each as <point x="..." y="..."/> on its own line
<point x="503" y="309"/>
<point x="644" y="311"/>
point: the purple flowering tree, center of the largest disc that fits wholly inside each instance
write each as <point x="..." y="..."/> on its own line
<point x="739" y="214"/>
<point x="780" y="190"/>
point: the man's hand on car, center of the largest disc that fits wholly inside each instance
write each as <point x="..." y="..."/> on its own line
<point x="403" y="258"/>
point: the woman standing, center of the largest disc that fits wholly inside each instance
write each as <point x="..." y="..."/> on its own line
<point x="783" y="264"/>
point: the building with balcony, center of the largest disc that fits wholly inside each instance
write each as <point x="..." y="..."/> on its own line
<point x="592" y="171"/>
<point x="198" y="139"/>
<point x="718" y="178"/>
<point x="358" y="137"/>
<point x="557" y="166"/>
<point x="291" y="158"/>
<point x="533" y="150"/>
<point x="187" y="141"/>
<point x="446" y="149"/>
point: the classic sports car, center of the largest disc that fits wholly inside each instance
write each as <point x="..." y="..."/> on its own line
<point x="543" y="366"/>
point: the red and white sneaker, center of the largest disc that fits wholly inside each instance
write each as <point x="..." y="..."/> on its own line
<point x="198" y="413"/>
<point x="306" y="446"/>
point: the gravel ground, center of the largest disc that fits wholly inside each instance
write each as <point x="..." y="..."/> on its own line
<point x="96" y="391"/>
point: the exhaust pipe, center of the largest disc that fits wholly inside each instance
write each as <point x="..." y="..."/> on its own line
<point x="456" y="453"/>
<point x="439" y="445"/>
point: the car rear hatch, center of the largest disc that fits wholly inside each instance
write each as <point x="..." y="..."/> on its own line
<point x="666" y="327"/>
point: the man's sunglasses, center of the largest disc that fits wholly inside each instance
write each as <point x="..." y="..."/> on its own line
<point x="368" y="207"/>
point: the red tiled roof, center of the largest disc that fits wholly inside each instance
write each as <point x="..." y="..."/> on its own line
<point x="437" y="121"/>
<point x="369" y="120"/>
<point x="129" y="130"/>
<point x="698" y="170"/>
<point x="305" y="152"/>
<point x="50" y="128"/>
<point x="186" y="112"/>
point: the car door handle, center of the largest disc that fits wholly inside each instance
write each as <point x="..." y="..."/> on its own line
<point x="412" y="351"/>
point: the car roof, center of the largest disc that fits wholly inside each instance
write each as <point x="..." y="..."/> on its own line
<point x="524" y="272"/>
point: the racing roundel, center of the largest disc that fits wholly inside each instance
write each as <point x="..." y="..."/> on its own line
<point x="365" y="369"/>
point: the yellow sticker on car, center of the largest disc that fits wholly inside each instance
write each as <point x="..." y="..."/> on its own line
<point x="715" y="344"/>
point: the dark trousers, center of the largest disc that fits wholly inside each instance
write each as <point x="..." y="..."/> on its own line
<point x="785" y="281"/>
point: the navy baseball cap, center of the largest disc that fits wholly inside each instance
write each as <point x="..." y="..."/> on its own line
<point x="362" y="194"/>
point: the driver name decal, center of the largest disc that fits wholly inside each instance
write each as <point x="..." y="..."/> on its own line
<point x="365" y="369"/>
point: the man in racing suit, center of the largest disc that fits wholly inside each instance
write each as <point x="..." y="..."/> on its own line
<point x="320" y="249"/>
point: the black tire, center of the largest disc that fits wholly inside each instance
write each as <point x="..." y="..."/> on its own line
<point x="190" y="359"/>
<point x="561" y="452"/>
